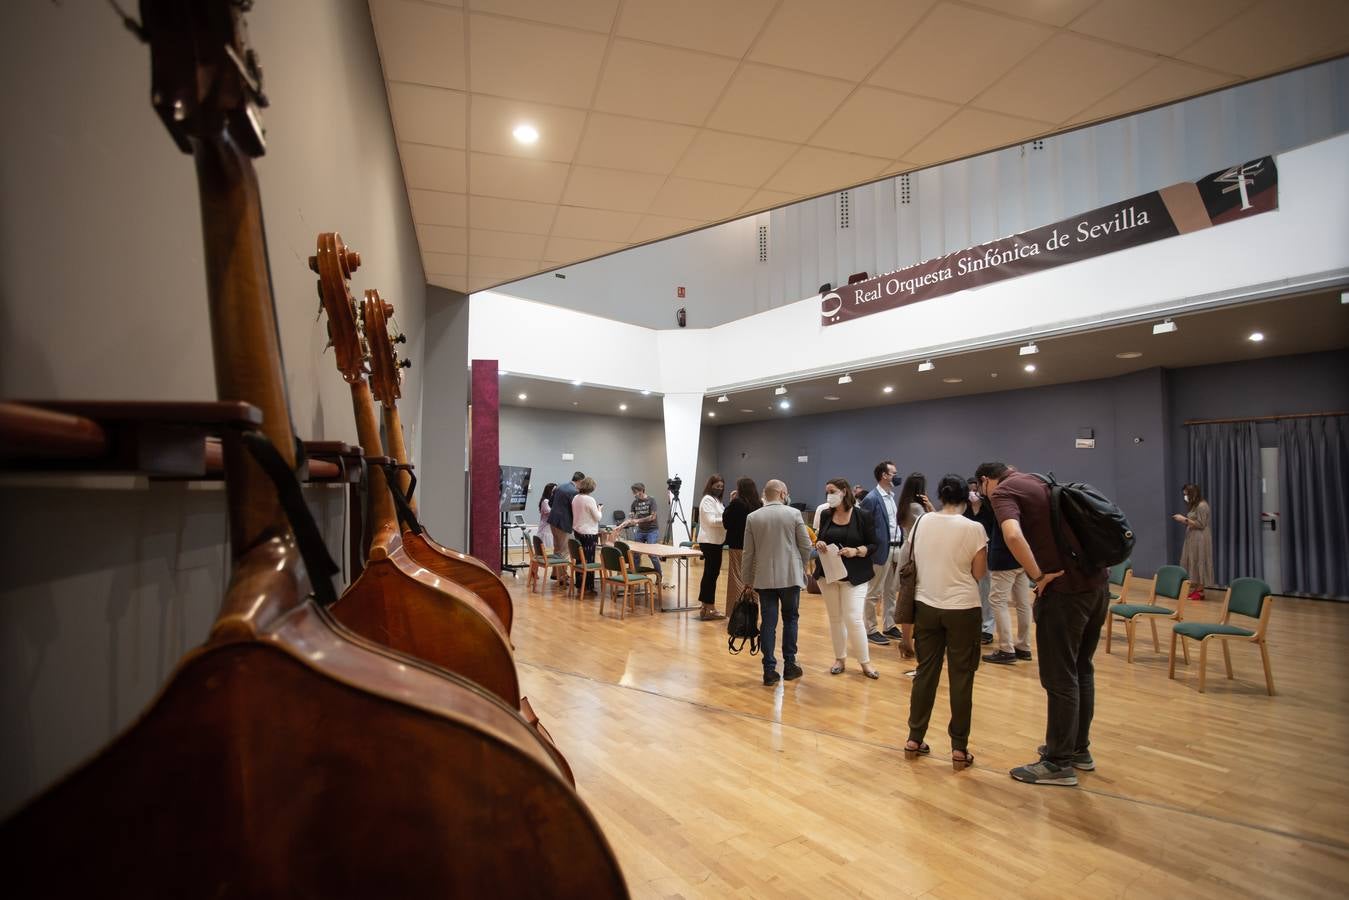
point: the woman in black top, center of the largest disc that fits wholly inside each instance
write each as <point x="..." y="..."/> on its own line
<point x="745" y="501"/>
<point x="848" y="527"/>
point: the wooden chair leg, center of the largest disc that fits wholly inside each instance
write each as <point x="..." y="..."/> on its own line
<point x="1156" y="645"/>
<point x="1203" y="663"/>
<point x="1185" y="648"/>
<point x="1171" y="669"/>
<point x="1269" y="676"/>
<point x="1109" y="629"/>
<point x="1129" y="630"/>
<point x="1227" y="660"/>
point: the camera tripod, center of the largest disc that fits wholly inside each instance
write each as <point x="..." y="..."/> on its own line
<point x="676" y="515"/>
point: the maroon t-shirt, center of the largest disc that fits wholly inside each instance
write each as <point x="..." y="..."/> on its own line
<point x="1025" y="498"/>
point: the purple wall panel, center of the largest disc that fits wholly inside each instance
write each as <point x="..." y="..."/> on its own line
<point x="484" y="460"/>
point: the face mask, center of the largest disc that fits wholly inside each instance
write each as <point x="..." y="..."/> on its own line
<point x="834" y="500"/>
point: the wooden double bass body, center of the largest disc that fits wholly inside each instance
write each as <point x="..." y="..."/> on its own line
<point x="288" y="757"/>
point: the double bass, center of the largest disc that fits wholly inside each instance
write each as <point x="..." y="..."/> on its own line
<point x="287" y="757"/>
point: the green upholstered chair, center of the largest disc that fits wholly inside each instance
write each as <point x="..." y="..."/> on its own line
<point x="617" y="576"/>
<point x="632" y="563"/>
<point x="1121" y="577"/>
<point x="541" y="562"/>
<point x="1246" y="597"/>
<point x="1170" y="583"/>
<point x="579" y="565"/>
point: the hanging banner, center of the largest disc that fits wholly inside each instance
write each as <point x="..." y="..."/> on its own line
<point x="1225" y="196"/>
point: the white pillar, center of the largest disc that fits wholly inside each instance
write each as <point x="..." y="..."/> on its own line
<point x="683" y="422"/>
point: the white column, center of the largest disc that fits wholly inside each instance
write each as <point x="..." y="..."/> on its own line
<point x="683" y="421"/>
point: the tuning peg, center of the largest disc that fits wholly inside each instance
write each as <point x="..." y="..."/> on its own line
<point x="401" y="339"/>
<point x="405" y="364"/>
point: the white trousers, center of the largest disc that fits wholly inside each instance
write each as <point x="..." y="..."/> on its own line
<point x="883" y="587"/>
<point x="1011" y="588"/>
<point x="843" y="601"/>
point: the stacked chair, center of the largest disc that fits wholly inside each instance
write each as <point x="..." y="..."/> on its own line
<point x="1170" y="583"/>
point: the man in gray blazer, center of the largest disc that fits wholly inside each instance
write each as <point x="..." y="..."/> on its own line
<point x="777" y="547"/>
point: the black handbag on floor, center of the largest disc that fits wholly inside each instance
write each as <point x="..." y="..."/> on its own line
<point x="743" y="623"/>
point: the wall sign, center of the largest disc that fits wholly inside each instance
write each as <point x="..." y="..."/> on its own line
<point x="1235" y="193"/>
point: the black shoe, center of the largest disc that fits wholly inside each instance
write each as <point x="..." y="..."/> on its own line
<point x="877" y="638"/>
<point x="1081" y="759"/>
<point x="791" y="671"/>
<point x="1023" y="654"/>
<point x="986" y="638"/>
<point x="771" y="677"/>
<point x="894" y="632"/>
<point x="1001" y="657"/>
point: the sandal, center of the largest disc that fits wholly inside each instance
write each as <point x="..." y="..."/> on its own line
<point x="873" y="674"/>
<point x="836" y="669"/>
<point x="914" y="752"/>
<point x="964" y="761"/>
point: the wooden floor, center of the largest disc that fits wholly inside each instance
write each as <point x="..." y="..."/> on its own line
<point x="709" y="784"/>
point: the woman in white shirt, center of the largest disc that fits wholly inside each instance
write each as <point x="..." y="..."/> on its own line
<point x="585" y="523"/>
<point x="951" y="554"/>
<point x="711" y="535"/>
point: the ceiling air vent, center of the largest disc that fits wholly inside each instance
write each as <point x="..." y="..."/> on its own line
<point x="905" y="190"/>
<point x="763" y="243"/>
<point x="844" y="209"/>
<point x="1037" y="145"/>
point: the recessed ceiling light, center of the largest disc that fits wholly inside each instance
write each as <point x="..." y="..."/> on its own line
<point x="784" y="404"/>
<point x="747" y="410"/>
<point x="845" y="378"/>
<point x="949" y="380"/>
<point x="711" y="414"/>
<point x="1030" y="367"/>
<point x="887" y="390"/>
<point x="1256" y="337"/>
<point x="1128" y="354"/>
<point x="781" y="389"/>
<point x="723" y="399"/>
<point x="926" y="366"/>
<point x="622" y="407"/>
<point x="577" y="382"/>
<point x="830" y="397"/>
<point x="503" y="372"/>
<point x="992" y="374"/>
<point x="1164" y="327"/>
<point x="1030" y="349"/>
<point x="526" y="133"/>
<point x="522" y="396"/>
<point x="646" y="393"/>
<point x="576" y="403"/>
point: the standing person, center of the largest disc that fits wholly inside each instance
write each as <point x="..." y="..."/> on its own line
<point x="586" y="514"/>
<point x="776" y="549"/>
<point x="951" y="554"/>
<point x="745" y="501"/>
<point x="881" y="504"/>
<point x="1010" y="589"/>
<point x="645" y="524"/>
<point x="711" y="535"/>
<point x="850" y="528"/>
<point x="1070" y="608"/>
<point x="978" y="509"/>
<point x="545" y="531"/>
<point x="559" y="516"/>
<point x="1196" y="556"/>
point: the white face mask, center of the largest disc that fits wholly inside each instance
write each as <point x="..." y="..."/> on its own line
<point x="834" y="500"/>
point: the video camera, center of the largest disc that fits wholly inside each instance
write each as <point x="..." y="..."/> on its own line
<point x="673" y="485"/>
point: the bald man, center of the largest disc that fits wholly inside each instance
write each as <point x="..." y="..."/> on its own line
<point x="773" y="562"/>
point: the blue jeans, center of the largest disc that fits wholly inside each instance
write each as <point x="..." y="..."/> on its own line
<point x="648" y="536"/>
<point x="790" y="600"/>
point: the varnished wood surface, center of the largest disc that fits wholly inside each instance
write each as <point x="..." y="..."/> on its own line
<point x="709" y="784"/>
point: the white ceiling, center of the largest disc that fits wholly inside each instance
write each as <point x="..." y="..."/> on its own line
<point x="660" y="116"/>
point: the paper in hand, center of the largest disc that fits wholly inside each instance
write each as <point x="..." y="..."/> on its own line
<point x="832" y="564"/>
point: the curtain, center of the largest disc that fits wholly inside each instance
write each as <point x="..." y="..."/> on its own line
<point x="1314" y="494"/>
<point x="1225" y="463"/>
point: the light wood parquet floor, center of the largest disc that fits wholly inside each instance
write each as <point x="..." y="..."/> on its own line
<point x="709" y="784"/>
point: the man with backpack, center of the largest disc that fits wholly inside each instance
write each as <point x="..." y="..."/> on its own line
<point x="1070" y="608"/>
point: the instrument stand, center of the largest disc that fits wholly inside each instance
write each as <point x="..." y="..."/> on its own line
<point x="506" y="564"/>
<point x="676" y="515"/>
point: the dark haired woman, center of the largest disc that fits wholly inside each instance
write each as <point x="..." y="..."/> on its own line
<point x="711" y="535"/>
<point x="912" y="501"/>
<point x="951" y="553"/>
<point x="1196" y="556"/>
<point x="745" y="501"/>
<point x="849" y="527"/>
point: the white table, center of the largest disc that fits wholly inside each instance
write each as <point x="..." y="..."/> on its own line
<point x="681" y="557"/>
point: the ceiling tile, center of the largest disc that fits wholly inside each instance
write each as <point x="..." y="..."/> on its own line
<point x="1274" y="35"/>
<point x="842" y="38"/>
<point x="445" y="263"/>
<point x="1164" y="82"/>
<point x="661" y="82"/>
<point x="652" y="228"/>
<point x="442" y="238"/>
<point x="492" y="121"/>
<point x="516" y="179"/>
<point x="428" y="115"/>
<point x="618" y="142"/>
<point x="711" y="25"/>
<point x="509" y="58"/>
<point x="498" y="268"/>
<point x="733" y="158"/>
<point x="1162" y="26"/>
<point x="882" y="123"/>
<point x="506" y="245"/>
<point x="433" y="168"/>
<point x="767" y="199"/>
<point x="688" y="199"/>
<point x="565" y="249"/>
<point x="1064" y="76"/>
<point x="420" y="43"/>
<point x="956" y="52"/>
<point x="776" y="103"/>
<point x="814" y="170"/>
<point x="1051" y="12"/>
<point x="453" y="282"/>
<point x="592" y="15"/>
<point x="520" y="216"/>
<point x="594" y="224"/>
<point x="611" y="189"/>
<point x="435" y="208"/>
<point x="973" y="131"/>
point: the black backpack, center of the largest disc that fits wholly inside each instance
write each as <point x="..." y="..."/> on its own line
<point x="1101" y="534"/>
<point x="743" y="623"/>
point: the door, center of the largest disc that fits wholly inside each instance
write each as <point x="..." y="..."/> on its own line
<point x="1269" y="517"/>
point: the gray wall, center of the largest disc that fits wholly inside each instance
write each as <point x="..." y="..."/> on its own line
<point x="442" y="486"/>
<point x="102" y="296"/>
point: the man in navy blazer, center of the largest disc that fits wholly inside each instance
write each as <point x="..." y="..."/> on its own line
<point x="882" y="504"/>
